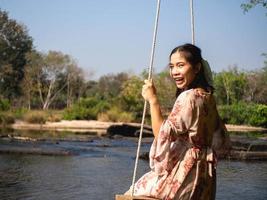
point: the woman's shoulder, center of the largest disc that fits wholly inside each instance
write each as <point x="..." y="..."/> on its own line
<point x="201" y="93"/>
<point x="196" y="96"/>
<point x="195" y="93"/>
<point x="185" y="94"/>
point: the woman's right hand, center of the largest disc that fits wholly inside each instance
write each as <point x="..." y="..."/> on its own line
<point x="149" y="91"/>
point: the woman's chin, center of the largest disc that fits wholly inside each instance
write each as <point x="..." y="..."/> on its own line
<point x="180" y="86"/>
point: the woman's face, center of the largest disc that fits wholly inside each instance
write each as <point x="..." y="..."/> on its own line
<point x="182" y="71"/>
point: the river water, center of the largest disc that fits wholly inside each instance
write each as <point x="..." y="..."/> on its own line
<point x="103" y="167"/>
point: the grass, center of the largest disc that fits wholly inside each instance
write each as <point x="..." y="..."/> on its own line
<point x="31" y="116"/>
<point x="6" y="118"/>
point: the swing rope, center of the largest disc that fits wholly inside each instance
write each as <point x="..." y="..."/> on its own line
<point x="150" y="77"/>
<point x="145" y="104"/>
<point x="192" y="21"/>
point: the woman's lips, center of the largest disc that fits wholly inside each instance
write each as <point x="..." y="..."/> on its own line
<point x="179" y="80"/>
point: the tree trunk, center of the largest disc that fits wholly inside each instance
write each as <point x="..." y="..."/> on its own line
<point x="29" y="102"/>
<point x="51" y="98"/>
<point x="48" y="96"/>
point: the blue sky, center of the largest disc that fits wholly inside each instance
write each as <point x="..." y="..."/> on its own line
<point x="111" y="36"/>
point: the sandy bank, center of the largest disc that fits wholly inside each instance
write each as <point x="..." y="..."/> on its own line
<point x="244" y="128"/>
<point x="92" y="126"/>
<point x="101" y="127"/>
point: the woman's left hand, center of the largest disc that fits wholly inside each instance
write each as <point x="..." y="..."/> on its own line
<point x="149" y="91"/>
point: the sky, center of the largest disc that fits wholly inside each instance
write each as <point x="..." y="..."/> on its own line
<point x="112" y="36"/>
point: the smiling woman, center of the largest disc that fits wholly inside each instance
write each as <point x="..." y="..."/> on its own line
<point x="182" y="158"/>
<point x="182" y="71"/>
<point x="188" y="68"/>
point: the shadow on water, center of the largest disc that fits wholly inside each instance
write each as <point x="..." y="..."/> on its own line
<point x="101" y="168"/>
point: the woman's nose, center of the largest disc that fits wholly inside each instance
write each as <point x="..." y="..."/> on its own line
<point x="175" y="71"/>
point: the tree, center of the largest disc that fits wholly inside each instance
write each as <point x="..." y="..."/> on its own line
<point x="257" y="79"/>
<point x="220" y="93"/>
<point x="130" y="97"/>
<point x="75" y="83"/>
<point x="109" y="86"/>
<point x="50" y="75"/>
<point x="32" y="76"/>
<point x="252" y="3"/>
<point x="257" y="90"/>
<point x="91" y="88"/>
<point x="166" y="90"/>
<point x="15" y="43"/>
<point x="256" y="85"/>
<point x="230" y="86"/>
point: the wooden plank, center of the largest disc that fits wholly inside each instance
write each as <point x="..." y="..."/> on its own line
<point x="128" y="197"/>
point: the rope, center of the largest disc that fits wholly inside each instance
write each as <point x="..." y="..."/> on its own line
<point x="145" y="104"/>
<point x="192" y="21"/>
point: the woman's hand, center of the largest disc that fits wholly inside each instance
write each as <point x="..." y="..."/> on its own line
<point x="149" y="91"/>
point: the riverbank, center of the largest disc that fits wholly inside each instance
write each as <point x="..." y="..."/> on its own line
<point x="244" y="128"/>
<point x="245" y="146"/>
<point x="86" y="126"/>
<point x="103" y="128"/>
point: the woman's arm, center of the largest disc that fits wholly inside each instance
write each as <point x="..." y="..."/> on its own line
<point x="149" y="94"/>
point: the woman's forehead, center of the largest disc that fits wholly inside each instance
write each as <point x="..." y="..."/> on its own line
<point x="177" y="57"/>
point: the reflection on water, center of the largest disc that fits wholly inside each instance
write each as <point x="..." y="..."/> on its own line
<point x="60" y="178"/>
<point x="242" y="180"/>
<point x="106" y="170"/>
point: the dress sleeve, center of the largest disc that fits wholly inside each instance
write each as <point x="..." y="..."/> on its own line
<point x="183" y="114"/>
<point x="166" y="148"/>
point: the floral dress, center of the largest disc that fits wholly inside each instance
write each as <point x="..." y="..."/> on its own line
<point x="182" y="161"/>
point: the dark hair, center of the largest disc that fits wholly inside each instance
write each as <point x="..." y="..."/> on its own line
<point x="192" y="54"/>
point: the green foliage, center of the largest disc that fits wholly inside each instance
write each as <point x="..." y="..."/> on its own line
<point x="242" y="113"/>
<point x="259" y="116"/>
<point x="109" y="86"/>
<point x="235" y="113"/>
<point x="86" y="108"/>
<point x="4" y="105"/>
<point x="32" y="79"/>
<point x="230" y="86"/>
<point x="14" y="44"/>
<point x="166" y="90"/>
<point x="130" y="97"/>
<point x="220" y="92"/>
<point x="252" y="3"/>
<point x="256" y="90"/>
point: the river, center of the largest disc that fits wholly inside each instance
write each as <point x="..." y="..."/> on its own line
<point x="103" y="167"/>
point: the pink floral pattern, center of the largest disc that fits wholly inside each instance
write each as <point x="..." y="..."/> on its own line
<point x="178" y="157"/>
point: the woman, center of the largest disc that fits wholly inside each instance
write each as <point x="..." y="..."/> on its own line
<point x="182" y="159"/>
